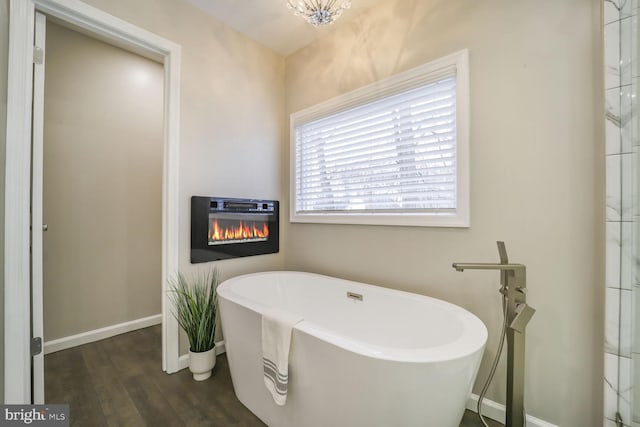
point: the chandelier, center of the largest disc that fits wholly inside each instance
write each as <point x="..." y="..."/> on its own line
<point x="318" y="12"/>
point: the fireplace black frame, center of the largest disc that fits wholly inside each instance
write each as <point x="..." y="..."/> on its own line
<point x="202" y="206"/>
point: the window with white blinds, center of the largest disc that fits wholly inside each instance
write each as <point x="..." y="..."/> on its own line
<point x="390" y="153"/>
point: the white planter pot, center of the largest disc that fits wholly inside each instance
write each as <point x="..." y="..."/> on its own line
<point x="201" y="363"/>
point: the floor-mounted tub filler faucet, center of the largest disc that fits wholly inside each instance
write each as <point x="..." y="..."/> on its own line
<point x="516" y="316"/>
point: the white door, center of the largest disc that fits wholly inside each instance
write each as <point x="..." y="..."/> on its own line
<point x="37" y="225"/>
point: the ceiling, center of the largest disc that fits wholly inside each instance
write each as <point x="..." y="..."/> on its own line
<point x="270" y="23"/>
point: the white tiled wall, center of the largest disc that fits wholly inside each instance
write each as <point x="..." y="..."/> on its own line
<point x="622" y="145"/>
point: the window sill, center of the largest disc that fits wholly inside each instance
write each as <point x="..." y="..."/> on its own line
<point x="409" y="220"/>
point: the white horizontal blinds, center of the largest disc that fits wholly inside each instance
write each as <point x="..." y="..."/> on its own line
<point x="395" y="154"/>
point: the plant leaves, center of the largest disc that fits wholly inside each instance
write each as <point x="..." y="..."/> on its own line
<point x="195" y="304"/>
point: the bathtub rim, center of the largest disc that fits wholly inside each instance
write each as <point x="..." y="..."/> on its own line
<point x="473" y="340"/>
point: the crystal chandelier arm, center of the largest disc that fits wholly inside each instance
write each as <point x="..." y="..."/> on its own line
<point x="311" y="7"/>
<point x="329" y="5"/>
<point x="299" y="8"/>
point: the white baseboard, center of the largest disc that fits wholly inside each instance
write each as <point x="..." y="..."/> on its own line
<point x="100" y="334"/>
<point x="183" y="361"/>
<point x="498" y="412"/>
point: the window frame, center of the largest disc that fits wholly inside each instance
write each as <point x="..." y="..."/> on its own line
<point x="415" y="77"/>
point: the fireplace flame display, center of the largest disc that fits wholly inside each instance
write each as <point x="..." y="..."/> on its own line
<point x="225" y="232"/>
<point x="224" y="228"/>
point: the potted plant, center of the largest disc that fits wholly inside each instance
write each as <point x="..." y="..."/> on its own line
<point x="195" y="307"/>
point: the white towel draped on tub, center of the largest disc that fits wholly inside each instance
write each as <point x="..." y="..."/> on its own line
<point x="277" y="327"/>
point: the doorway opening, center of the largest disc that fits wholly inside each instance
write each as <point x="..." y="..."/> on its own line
<point x="24" y="376"/>
<point x="101" y="190"/>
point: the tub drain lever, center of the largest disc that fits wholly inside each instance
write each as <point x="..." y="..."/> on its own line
<point x="355" y="296"/>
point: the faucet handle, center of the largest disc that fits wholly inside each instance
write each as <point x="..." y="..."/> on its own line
<point x="523" y="315"/>
<point x="502" y="250"/>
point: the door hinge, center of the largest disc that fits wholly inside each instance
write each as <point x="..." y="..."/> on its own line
<point x="36" y="346"/>
<point x="38" y="55"/>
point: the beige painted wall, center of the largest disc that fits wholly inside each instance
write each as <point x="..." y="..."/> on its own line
<point x="536" y="178"/>
<point x="4" y="53"/>
<point x="232" y="115"/>
<point x="103" y="150"/>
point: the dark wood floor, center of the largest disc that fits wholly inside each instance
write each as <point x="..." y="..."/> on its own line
<point x="119" y="382"/>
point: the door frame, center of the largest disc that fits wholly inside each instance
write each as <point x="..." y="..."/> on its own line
<point x="37" y="207"/>
<point x="17" y="274"/>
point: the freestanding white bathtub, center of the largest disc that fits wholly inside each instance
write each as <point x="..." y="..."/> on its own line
<point x="391" y="359"/>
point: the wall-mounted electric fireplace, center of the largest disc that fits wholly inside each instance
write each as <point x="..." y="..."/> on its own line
<point x="224" y="228"/>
